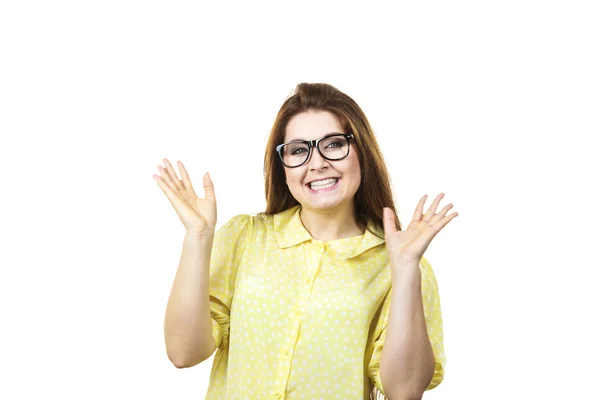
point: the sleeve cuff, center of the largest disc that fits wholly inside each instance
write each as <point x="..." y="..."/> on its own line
<point x="378" y="385"/>
<point x="438" y="372"/>
<point x="217" y="332"/>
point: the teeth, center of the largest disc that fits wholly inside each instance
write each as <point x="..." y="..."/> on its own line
<point x="324" y="184"/>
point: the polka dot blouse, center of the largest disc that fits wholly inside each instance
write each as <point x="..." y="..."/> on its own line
<point x="298" y="318"/>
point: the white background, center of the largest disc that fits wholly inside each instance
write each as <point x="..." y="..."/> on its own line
<point x="496" y="104"/>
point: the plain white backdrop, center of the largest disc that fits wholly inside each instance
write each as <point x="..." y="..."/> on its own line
<point x="496" y="104"/>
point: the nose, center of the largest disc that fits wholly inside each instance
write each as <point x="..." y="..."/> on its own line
<point x="316" y="160"/>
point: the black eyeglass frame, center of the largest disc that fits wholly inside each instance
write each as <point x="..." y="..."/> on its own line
<point x="315" y="144"/>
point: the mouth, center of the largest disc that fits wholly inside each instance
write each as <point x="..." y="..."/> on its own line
<point x="323" y="185"/>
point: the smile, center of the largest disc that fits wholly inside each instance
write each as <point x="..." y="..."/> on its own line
<point x="325" y="185"/>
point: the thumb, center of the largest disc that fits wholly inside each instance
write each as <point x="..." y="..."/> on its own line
<point x="389" y="221"/>
<point x="209" y="189"/>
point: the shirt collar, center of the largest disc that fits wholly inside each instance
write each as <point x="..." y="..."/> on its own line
<point x="290" y="231"/>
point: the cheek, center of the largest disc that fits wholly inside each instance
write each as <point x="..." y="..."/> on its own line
<point x="354" y="170"/>
<point x="292" y="177"/>
<point x="354" y="167"/>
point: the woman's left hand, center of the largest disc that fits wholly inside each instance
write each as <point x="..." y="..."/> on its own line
<point x="408" y="246"/>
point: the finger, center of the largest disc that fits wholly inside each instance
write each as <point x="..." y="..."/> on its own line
<point x="164" y="174"/>
<point x="441" y="223"/>
<point x="173" y="175"/>
<point x="209" y="189"/>
<point x="389" y="221"/>
<point x="419" y="210"/>
<point x="171" y="195"/>
<point x="433" y="207"/>
<point x="187" y="183"/>
<point x="441" y="214"/>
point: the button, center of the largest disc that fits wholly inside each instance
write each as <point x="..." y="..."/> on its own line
<point x="286" y="353"/>
<point x="307" y="280"/>
<point x="278" y="395"/>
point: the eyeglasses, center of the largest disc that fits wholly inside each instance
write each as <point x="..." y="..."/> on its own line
<point x="332" y="147"/>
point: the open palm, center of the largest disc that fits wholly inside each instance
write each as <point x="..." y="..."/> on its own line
<point x="409" y="245"/>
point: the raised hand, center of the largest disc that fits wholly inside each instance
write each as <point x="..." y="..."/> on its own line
<point x="199" y="215"/>
<point x="409" y="245"/>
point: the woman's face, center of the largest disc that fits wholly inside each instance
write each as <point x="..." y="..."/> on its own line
<point x="313" y="125"/>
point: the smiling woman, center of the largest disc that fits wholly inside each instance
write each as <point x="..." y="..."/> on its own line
<point x="300" y="295"/>
<point x="325" y="180"/>
<point x="316" y="112"/>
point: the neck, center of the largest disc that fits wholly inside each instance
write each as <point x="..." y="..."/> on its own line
<point x="330" y="225"/>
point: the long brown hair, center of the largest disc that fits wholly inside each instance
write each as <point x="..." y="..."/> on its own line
<point x="374" y="191"/>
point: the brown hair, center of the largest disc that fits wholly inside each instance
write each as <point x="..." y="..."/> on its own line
<point x="374" y="191"/>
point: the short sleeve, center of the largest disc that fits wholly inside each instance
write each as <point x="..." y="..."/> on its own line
<point x="228" y="247"/>
<point x="433" y="321"/>
<point x="379" y="335"/>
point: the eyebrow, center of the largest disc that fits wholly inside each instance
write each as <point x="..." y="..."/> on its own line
<point x="306" y="140"/>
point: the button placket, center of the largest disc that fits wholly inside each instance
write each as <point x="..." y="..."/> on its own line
<point x="313" y="260"/>
<point x="285" y="365"/>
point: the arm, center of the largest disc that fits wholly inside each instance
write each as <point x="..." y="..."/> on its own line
<point x="407" y="359"/>
<point x="188" y="321"/>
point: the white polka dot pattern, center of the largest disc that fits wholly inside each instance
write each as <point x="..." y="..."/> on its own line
<point x="298" y="318"/>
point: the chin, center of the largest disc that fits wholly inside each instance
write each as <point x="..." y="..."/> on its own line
<point x="323" y="205"/>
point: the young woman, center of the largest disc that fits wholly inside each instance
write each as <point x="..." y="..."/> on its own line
<point x="323" y="295"/>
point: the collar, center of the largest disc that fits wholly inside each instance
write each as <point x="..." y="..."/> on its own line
<point x="290" y="231"/>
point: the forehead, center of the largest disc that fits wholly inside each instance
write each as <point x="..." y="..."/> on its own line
<point x="312" y="125"/>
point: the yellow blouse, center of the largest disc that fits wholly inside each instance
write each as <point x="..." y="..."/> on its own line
<point x="298" y="318"/>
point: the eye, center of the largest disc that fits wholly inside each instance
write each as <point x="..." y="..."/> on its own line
<point x="298" y="150"/>
<point x="334" y="143"/>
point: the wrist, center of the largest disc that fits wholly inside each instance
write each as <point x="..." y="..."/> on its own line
<point x="406" y="271"/>
<point x="199" y="237"/>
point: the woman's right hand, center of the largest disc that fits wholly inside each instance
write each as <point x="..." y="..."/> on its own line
<point x="199" y="216"/>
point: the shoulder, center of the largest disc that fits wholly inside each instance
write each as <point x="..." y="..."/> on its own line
<point x="261" y="226"/>
<point x="425" y="265"/>
<point x="428" y="277"/>
<point x="236" y="222"/>
<point x="241" y="223"/>
<point x="236" y="226"/>
<point x="426" y="268"/>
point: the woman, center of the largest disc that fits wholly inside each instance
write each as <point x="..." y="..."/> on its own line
<point x="300" y="301"/>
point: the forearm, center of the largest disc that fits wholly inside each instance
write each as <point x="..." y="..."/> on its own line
<point x="407" y="360"/>
<point x="188" y="321"/>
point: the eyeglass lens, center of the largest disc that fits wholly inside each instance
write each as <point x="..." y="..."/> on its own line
<point x="332" y="148"/>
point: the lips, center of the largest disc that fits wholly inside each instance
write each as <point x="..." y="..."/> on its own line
<point x="327" y="188"/>
<point x="322" y="179"/>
